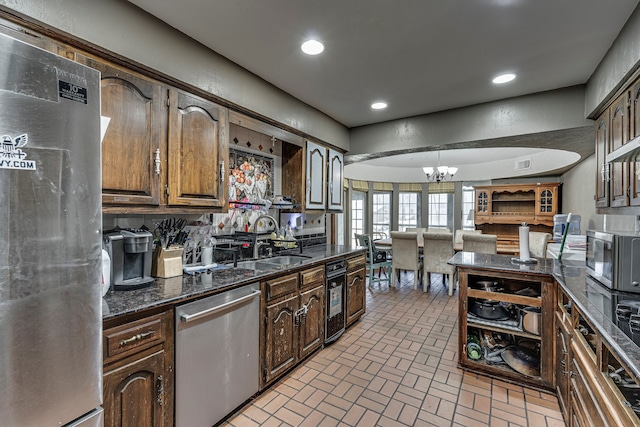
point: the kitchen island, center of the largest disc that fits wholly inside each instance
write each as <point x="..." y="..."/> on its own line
<point x="581" y="349"/>
<point x="144" y="348"/>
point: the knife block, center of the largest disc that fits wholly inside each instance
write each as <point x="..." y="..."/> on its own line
<point x="167" y="262"/>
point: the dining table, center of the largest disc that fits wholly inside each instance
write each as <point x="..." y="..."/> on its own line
<point x="502" y="248"/>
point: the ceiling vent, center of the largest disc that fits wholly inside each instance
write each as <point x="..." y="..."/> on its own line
<point x="523" y="164"/>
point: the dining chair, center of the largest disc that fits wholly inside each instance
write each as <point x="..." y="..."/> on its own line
<point x="457" y="241"/>
<point x="418" y="231"/>
<point x="538" y="243"/>
<point x="406" y="255"/>
<point x="438" y="249"/>
<point x="376" y="259"/>
<point x="483" y="243"/>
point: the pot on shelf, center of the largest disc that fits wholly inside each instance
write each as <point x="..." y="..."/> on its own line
<point x="486" y="285"/>
<point x="530" y="320"/>
<point x="488" y="309"/>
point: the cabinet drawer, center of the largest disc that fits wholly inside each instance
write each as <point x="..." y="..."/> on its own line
<point x="282" y="286"/>
<point x="313" y="275"/>
<point x="355" y="262"/>
<point x="134" y="336"/>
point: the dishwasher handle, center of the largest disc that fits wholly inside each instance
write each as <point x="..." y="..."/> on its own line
<point x="186" y="318"/>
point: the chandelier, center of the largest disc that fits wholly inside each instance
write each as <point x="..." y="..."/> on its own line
<point x="439" y="173"/>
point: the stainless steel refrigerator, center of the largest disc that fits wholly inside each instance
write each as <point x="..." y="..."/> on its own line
<point x="50" y="240"/>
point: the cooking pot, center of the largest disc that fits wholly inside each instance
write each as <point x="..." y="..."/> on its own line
<point x="486" y="285"/>
<point x="488" y="309"/>
<point x="522" y="360"/>
<point x="531" y="319"/>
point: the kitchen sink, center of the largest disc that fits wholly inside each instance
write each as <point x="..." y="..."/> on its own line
<point x="285" y="260"/>
<point x="257" y="265"/>
<point x="276" y="263"/>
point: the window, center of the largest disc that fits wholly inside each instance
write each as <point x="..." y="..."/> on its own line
<point x="468" y="201"/>
<point x="381" y="214"/>
<point x="408" y="210"/>
<point x="440" y="215"/>
<point x="357" y="214"/>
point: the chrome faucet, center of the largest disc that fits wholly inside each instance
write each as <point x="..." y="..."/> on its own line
<point x="256" y="249"/>
<point x="276" y="227"/>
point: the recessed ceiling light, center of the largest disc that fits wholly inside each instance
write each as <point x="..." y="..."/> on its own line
<point x="379" y="105"/>
<point x="504" y="78"/>
<point x="312" y="47"/>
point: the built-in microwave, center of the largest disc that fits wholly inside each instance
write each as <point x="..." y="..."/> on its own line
<point x="613" y="259"/>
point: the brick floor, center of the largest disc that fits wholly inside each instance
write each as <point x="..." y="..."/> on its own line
<point x="396" y="366"/>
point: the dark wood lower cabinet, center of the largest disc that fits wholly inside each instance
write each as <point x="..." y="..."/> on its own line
<point x="134" y="393"/>
<point x="280" y="332"/>
<point x="138" y="370"/>
<point x="356" y="297"/>
<point x="293" y="321"/>
<point x="311" y="323"/>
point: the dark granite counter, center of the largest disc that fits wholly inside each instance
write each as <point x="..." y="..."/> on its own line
<point x="595" y="301"/>
<point x="502" y="263"/>
<point x="176" y="290"/>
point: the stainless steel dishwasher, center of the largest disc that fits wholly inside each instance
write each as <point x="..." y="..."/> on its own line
<point x="216" y="355"/>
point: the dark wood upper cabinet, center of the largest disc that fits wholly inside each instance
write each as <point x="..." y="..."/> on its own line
<point x="619" y="136"/>
<point x="132" y="143"/>
<point x="197" y="151"/>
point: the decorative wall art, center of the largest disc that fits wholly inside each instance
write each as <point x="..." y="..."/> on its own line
<point x="250" y="177"/>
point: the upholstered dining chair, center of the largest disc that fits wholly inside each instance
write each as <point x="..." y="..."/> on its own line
<point x="406" y="255"/>
<point x="438" y="249"/>
<point x="376" y="259"/>
<point x="457" y="241"/>
<point x="538" y="243"/>
<point x="418" y="231"/>
<point x="483" y="243"/>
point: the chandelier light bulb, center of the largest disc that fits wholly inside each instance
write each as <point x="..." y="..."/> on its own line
<point x="428" y="170"/>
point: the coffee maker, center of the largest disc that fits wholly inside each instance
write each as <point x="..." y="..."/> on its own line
<point x="131" y="252"/>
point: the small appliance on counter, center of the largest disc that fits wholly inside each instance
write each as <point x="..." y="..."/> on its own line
<point x="613" y="259"/>
<point x="131" y="253"/>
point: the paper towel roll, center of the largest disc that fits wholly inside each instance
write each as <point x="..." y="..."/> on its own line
<point x="524" y="242"/>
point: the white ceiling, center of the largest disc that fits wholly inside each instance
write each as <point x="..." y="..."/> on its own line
<point x="420" y="56"/>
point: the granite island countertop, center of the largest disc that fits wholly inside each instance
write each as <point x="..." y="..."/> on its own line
<point x="180" y="289"/>
<point x="595" y="301"/>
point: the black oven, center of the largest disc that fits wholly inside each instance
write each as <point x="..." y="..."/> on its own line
<point x="335" y="297"/>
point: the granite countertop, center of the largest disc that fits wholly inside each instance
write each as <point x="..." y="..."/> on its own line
<point x="176" y="290"/>
<point x="596" y="302"/>
<point x="502" y="263"/>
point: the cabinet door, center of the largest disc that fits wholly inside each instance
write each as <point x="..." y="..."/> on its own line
<point x="281" y="337"/>
<point x="356" y="297"/>
<point x="312" y="322"/>
<point x="482" y="206"/>
<point x="197" y="151"/>
<point x="634" y="132"/>
<point x="336" y="181"/>
<point x="134" y="394"/>
<point x="619" y="184"/>
<point x="562" y="367"/>
<point x="131" y="146"/>
<point x="316" y="176"/>
<point x="546" y="202"/>
<point x="602" y="173"/>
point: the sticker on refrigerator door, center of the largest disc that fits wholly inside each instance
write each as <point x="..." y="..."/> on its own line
<point x="72" y="92"/>
<point x="11" y="154"/>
